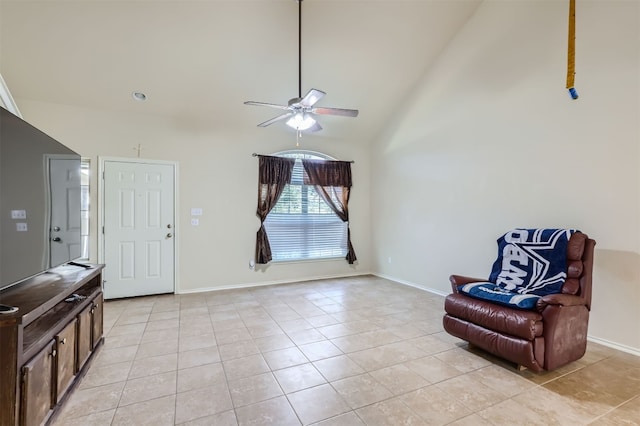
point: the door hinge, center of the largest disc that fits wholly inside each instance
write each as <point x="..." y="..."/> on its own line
<point x="103" y="229"/>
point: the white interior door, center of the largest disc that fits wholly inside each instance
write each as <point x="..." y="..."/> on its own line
<point x="64" y="237"/>
<point x="139" y="249"/>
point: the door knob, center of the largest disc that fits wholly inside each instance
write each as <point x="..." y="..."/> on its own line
<point x="56" y="239"/>
<point x="56" y="228"/>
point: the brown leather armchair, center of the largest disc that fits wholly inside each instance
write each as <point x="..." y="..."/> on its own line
<point x="549" y="336"/>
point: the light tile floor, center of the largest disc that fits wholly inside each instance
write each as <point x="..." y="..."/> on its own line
<point x="353" y="351"/>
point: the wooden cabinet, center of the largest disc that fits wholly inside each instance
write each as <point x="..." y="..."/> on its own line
<point x="37" y="387"/>
<point x="45" y="345"/>
<point x="97" y="320"/>
<point x="89" y="329"/>
<point x="65" y="359"/>
<point x="84" y="336"/>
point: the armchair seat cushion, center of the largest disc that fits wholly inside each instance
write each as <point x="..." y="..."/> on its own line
<point x="493" y="293"/>
<point x="515" y="322"/>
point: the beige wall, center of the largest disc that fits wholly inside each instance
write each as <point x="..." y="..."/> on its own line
<point x="216" y="173"/>
<point x="491" y="141"/>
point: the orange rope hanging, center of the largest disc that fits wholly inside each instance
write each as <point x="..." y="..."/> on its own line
<point x="571" y="51"/>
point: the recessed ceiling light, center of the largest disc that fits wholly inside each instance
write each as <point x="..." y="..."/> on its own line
<point x="139" y="96"/>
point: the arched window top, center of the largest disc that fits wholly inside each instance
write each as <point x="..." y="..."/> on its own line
<point x="303" y="154"/>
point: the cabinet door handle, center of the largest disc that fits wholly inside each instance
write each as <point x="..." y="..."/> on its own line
<point x="64" y="341"/>
<point x="54" y="353"/>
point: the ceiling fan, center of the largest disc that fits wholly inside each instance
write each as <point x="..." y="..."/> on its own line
<point x="300" y="111"/>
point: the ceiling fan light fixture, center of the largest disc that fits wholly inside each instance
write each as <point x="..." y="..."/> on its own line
<point x="312" y="99"/>
<point x="301" y="121"/>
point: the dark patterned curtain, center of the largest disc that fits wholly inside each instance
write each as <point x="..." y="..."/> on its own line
<point x="332" y="181"/>
<point x="274" y="173"/>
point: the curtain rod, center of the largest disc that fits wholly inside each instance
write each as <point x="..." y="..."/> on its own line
<point x="258" y="155"/>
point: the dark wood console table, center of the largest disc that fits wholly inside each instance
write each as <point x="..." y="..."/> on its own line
<point x="45" y="345"/>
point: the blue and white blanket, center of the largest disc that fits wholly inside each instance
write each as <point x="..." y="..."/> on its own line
<point x="530" y="262"/>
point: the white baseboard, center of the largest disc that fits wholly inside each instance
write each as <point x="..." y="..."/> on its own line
<point x="267" y="283"/>
<point x="614" y="345"/>
<point x="603" y="342"/>
<point x="410" y="284"/>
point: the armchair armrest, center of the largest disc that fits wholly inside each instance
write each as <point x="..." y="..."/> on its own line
<point x="458" y="280"/>
<point x="559" y="299"/>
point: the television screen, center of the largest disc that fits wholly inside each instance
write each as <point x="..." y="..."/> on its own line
<point x="39" y="201"/>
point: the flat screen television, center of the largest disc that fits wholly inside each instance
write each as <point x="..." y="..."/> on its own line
<point x="40" y="194"/>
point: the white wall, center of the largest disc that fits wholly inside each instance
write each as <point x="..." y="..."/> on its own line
<point x="6" y="100"/>
<point x="216" y="173"/>
<point x="491" y="141"/>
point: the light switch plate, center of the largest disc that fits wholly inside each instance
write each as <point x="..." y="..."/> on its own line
<point x="196" y="211"/>
<point x="18" y="214"/>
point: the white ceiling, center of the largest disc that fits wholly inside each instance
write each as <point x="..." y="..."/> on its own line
<point x="197" y="61"/>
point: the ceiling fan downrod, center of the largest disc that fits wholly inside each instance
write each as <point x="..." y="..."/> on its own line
<point x="299" y="49"/>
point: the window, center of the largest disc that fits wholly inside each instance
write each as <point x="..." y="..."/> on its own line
<point x="301" y="225"/>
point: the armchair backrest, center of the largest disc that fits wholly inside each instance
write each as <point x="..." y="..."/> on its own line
<point x="579" y="267"/>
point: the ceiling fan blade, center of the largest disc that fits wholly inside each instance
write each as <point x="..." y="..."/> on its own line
<point x="335" y="111"/>
<point x="315" y="128"/>
<point x="267" y="104"/>
<point x="275" y="119"/>
<point x="312" y="96"/>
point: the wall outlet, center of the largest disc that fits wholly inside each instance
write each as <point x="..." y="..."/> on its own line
<point x="21" y="227"/>
<point x="195" y="221"/>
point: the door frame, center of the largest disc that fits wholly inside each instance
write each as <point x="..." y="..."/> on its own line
<point x="176" y="226"/>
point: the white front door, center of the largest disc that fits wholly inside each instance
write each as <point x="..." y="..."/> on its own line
<point x="64" y="229"/>
<point x="139" y="250"/>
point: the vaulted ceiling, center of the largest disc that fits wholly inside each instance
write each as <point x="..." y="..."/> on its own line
<point x="197" y="61"/>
